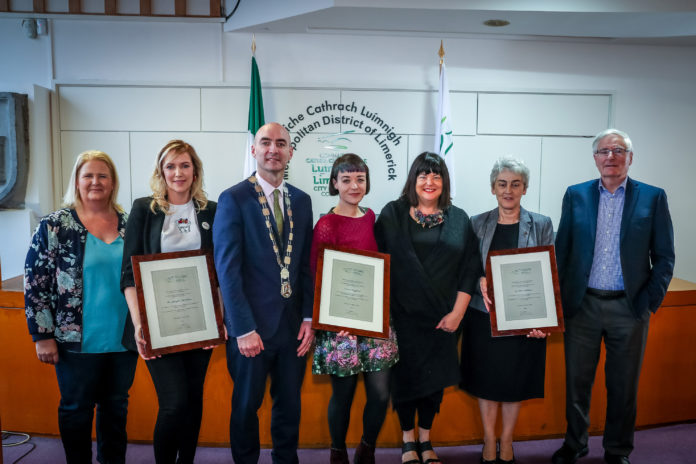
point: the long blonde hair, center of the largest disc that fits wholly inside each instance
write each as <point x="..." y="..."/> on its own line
<point x="72" y="195"/>
<point x="158" y="183"/>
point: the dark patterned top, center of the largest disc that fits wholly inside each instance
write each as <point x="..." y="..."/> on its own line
<point x="53" y="278"/>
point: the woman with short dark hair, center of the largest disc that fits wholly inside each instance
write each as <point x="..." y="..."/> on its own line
<point x="341" y="355"/>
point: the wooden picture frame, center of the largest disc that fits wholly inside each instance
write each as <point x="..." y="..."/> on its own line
<point x="178" y="300"/>
<point x="523" y="286"/>
<point x="351" y="291"/>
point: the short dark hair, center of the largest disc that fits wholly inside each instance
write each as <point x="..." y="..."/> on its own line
<point x="427" y="162"/>
<point x="350" y="162"/>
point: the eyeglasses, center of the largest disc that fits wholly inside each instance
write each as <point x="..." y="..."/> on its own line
<point x="618" y="151"/>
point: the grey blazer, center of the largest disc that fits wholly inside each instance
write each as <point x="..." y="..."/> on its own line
<point x="535" y="230"/>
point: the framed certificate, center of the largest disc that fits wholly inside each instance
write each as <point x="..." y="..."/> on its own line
<point x="178" y="301"/>
<point x="523" y="285"/>
<point x="352" y="292"/>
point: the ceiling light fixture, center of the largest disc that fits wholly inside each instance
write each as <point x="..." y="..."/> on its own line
<point x="496" y="23"/>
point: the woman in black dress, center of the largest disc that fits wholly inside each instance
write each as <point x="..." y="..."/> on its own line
<point x="503" y="371"/>
<point x="435" y="267"/>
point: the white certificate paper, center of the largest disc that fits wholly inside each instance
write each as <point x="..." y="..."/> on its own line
<point x="352" y="292"/>
<point x="178" y="301"/>
<point x="179" y="304"/>
<point x="523" y="291"/>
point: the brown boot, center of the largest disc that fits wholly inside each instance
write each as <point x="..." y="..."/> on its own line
<point x="364" y="454"/>
<point x="339" y="456"/>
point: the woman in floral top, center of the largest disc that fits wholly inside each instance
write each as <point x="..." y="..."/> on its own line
<point x="76" y="313"/>
<point x="339" y="354"/>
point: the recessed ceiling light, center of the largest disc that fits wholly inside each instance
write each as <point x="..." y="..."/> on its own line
<point x="496" y="23"/>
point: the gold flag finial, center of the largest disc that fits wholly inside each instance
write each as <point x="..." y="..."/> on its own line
<point x="253" y="44"/>
<point x="441" y="54"/>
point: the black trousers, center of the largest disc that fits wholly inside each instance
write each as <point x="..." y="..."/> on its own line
<point x="178" y="379"/>
<point x="426" y="407"/>
<point x="624" y="336"/>
<point x="87" y="380"/>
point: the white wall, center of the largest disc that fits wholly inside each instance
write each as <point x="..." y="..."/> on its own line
<point x="653" y="96"/>
<point x="25" y="67"/>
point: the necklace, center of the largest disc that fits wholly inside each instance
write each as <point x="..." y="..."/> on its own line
<point x="285" y="289"/>
<point x="428" y="220"/>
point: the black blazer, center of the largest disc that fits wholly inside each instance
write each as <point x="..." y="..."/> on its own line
<point x="143" y="237"/>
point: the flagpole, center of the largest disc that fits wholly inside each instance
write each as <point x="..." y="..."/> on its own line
<point x="444" y="141"/>
<point x="441" y="54"/>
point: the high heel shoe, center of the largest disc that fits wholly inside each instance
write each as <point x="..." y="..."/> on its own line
<point x="490" y="461"/>
<point x="407" y="447"/>
<point x="503" y="461"/>
<point x="339" y="456"/>
<point x="364" y="454"/>
<point x="427" y="446"/>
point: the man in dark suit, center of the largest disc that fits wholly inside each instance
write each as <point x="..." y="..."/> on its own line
<point x="262" y="235"/>
<point x="615" y="254"/>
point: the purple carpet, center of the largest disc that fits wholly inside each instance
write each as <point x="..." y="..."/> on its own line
<point x="674" y="444"/>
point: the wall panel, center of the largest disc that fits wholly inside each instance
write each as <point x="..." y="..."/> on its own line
<point x="543" y="114"/>
<point x="224" y="109"/>
<point x="130" y="108"/>
<point x="565" y="161"/>
<point x="222" y="155"/>
<point x="114" y="144"/>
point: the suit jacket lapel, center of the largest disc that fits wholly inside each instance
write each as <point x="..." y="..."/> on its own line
<point x="489" y="226"/>
<point x="592" y="211"/>
<point x="630" y="201"/>
<point x="206" y="234"/>
<point x="271" y="219"/>
<point x="156" y="231"/>
<point x="524" y="239"/>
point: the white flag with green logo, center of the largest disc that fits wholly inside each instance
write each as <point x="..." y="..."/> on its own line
<point x="444" y="142"/>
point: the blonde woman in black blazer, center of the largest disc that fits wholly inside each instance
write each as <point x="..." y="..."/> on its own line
<point x="176" y="217"/>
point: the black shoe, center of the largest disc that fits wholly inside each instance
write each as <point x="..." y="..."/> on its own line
<point x="427" y="446"/>
<point x="364" y="454"/>
<point x="410" y="446"/>
<point x="490" y="461"/>
<point x="339" y="456"/>
<point x="616" y="459"/>
<point x="567" y="455"/>
<point x="503" y="461"/>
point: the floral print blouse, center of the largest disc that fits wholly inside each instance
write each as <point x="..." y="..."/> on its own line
<point x="53" y="278"/>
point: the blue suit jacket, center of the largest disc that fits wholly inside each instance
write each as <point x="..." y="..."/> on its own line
<point x="247" y="268"/>
<point x="646" y="242"/>
<point x="535" y="230"/>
